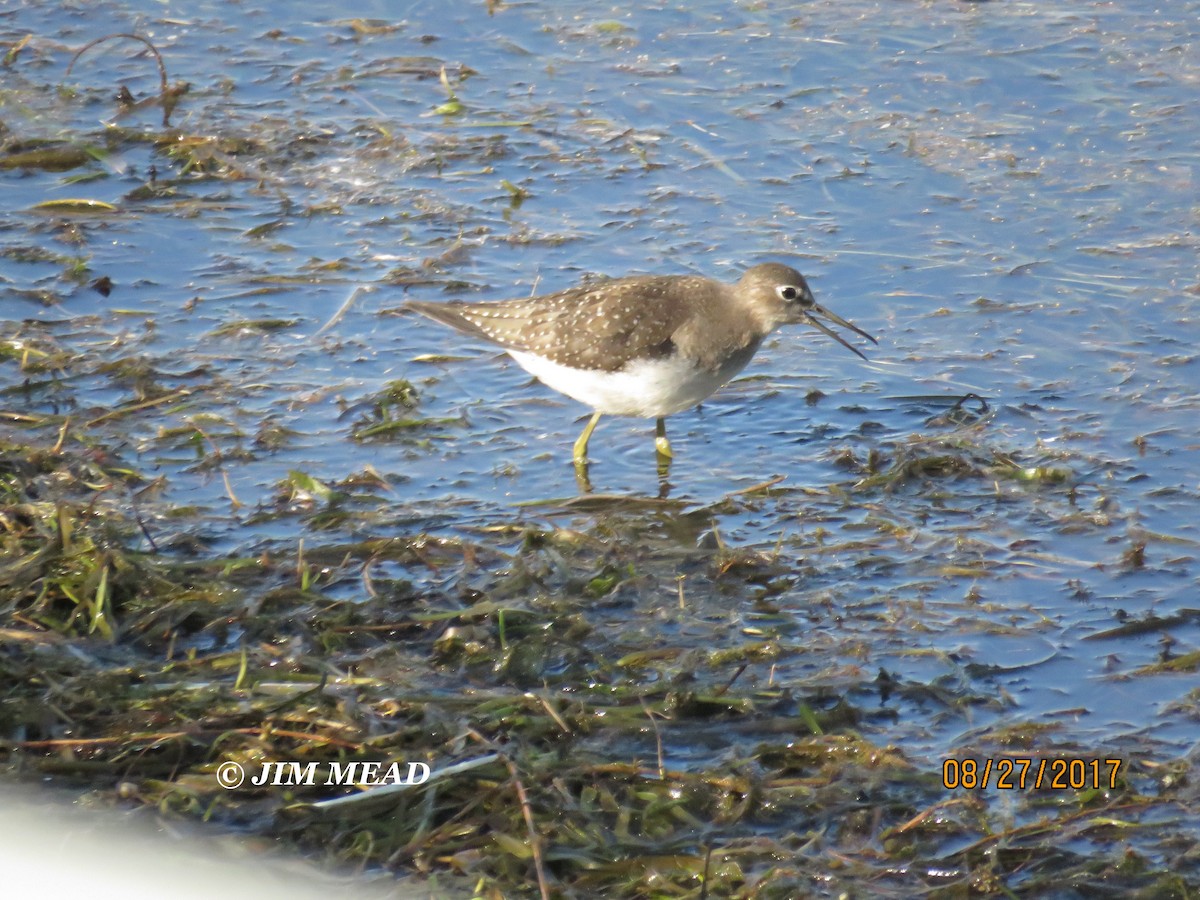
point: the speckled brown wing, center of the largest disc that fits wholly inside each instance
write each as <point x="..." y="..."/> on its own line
<point x="599" y="327"/>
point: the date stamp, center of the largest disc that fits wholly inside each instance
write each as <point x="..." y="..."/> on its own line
<point x="1023" y="773"/>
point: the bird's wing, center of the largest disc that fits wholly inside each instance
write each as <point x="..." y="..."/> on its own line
<point x="597" y="327"/>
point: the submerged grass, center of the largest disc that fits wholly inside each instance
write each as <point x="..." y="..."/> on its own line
<point x="613" y="699"/>
<point x="589" y="759"/>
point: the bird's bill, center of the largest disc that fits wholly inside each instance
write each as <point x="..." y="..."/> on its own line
<point x="810" y="317"/>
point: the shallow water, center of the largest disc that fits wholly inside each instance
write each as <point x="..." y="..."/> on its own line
<point x="1004" y="194"/>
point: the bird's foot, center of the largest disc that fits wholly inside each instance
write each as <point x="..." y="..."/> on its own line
<point x="581" y="444"/>
<point x="582" y="481"/>
<point x="661" y="444"/>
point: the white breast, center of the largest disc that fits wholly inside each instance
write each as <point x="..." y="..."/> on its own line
<point x="648" y="388"/>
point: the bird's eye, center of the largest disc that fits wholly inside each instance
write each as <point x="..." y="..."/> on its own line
<point x="789" y="293"/>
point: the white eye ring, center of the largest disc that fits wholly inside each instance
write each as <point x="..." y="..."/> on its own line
<point x="789" y="293"/>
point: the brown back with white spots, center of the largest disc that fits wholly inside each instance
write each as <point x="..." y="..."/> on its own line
<point x="603" y="326"/>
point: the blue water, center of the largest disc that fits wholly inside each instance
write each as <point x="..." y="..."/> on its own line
<point x="1004" y="194"/>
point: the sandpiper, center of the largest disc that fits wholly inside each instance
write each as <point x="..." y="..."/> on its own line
<point x="645" y="345"/>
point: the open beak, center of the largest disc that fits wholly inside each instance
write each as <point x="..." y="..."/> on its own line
<point x="810" y="318"/>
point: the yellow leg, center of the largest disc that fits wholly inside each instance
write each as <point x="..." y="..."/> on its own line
<point x="581" y="444"/>
<point x="582" y="479"/>
<point x="661" y="444"/>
